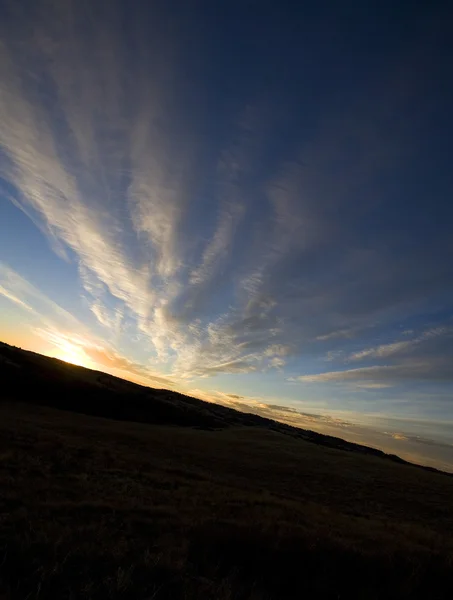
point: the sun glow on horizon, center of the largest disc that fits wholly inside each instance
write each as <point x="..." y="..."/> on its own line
<point x="72" y="354"/>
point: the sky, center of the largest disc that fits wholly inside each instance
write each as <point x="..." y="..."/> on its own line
<point x="250" y="202"/>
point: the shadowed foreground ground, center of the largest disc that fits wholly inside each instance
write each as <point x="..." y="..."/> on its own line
<point x="95" y="508"/>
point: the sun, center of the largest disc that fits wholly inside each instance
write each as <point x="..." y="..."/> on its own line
<point x="71" y="353"/>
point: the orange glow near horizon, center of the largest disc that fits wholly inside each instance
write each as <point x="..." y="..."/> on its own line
<point x="71" y="353"/>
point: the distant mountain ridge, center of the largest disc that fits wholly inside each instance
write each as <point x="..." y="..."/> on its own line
<point x="33" y="378"/>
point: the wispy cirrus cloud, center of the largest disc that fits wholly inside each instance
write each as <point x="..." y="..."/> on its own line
<point x="25" y="295"/>
<point x="67" y="337"/>
<point x="422" y="358"/>
<point x="399" y="347"/>
<point x="10" y="296"/>
<point x="232" y="243"/>
<point x="111" y="188"/>
<point x="382" y="351"/>
<point x="218" y="247"/>
<point x="379" y="376"/>
<point x="101" y="356"/>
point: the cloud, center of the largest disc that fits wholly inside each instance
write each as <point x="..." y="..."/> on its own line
<point x="105" y="357"/>
<point x="277" y="363"/>
<point x="227" y="242"/>
<point x="6" y="294"/>
<point x="25" y="295"/>
<point x="334" y="355"/>
<point x="372" y="385"/>
<point x="342" y="333"/>
<point x="326" y="423"/>
<point x="421" y="440"/>
<point x="233" y="366"/>
<point x="424" y="358"/>
<point x="400" y="347"/>
<point x="111" y="188"/>
<point x="280" y="408"/>
<point x="218" y="247"/>
<point x="102" y="315"/>
<point x="278" y="350"/>
<point x="382" y="351"/>
<point x="400" y="437"/>
<point x="435" y="370"/>
<point x="431" y="452"/>
<point x="64" y="333"/>
<point x="417" y="439"/>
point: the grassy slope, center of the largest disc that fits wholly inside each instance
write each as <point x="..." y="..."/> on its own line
<point x="47" y="381"/>
<point x="97" y="508"/>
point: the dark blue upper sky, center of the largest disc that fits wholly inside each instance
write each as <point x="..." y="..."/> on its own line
<point x="247" y="200"/>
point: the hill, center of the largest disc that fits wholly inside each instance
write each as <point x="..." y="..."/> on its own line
<point x="184" y="500"/>
<point x="38" y="379"/>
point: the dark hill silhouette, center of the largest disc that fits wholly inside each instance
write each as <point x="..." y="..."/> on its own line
<point x="172" y="497"/>
<point x="37" y="379"/>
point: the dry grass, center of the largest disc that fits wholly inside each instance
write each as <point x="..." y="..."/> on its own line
<point x="92" y="508"/>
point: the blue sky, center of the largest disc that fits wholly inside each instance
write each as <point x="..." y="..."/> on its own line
<point x="250" y="202"/>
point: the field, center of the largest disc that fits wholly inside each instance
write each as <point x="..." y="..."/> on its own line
<point x="95" y="508"/>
